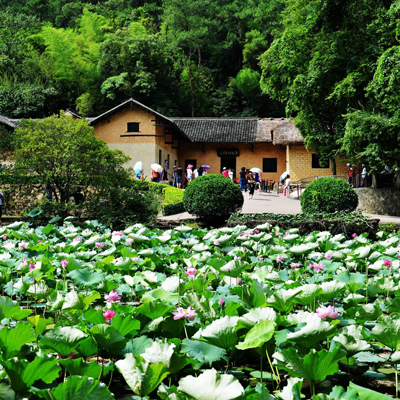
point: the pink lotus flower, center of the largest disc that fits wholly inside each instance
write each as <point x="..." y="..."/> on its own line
<point x="39" y="241"/>
<point x="280" y="258"/>
<point x="294" y="265"/>
<point x="99" y="245"/>
<point x="237" y="258"/>
<point x="255" y="232"/>
<point x="387" y="263"/>
<point x="77" y="239"/>
<point x="31" y="267"/>
<point x="354" y="235"/>
<point x="216" y="243"/>
<point x="4" y="237"/>
<point x="238" y="281"/>
<point x="182" y="313"/>
<point x="324" y="312"/>
<point x="129" y="240"/>
<point x="64" y="263"/>
<point x="286" y="234"/>
<point x="108" y="315"/>
<point x="221" y="302"/>
<point x="112" y="297"/>
<point x="191" y="271"/>
<point x="117" y="233"/>
<point x="134" y="259"/>
<point x="317" y="267"/>
<point x="328" y="256"/>
<point x="23" y="245"/>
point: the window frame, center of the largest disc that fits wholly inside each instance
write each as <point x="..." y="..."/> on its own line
<point x="135" y="124"/>
<point x="276" y="165"/>
<point x="316" y="162"/>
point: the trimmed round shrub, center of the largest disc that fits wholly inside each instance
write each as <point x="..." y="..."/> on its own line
<point x="328" y="195"/>
<point x="212" y="197"/>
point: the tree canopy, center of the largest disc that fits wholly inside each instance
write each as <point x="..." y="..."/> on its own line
<point x="65" y="153"/>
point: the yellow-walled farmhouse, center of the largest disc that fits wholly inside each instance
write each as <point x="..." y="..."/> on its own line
<point x="272" y="144"/>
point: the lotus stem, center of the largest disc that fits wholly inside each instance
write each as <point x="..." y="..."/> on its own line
<point x="397" y="382"/>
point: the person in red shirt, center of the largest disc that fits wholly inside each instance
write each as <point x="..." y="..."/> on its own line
<point x="225" y="172"/>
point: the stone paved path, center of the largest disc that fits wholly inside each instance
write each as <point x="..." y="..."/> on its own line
<point x="274" y="203"/>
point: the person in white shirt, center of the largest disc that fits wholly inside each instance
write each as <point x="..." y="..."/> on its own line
<point x="363" y="175"/>
<point x="189" y="173"/>
<point x="230" y="174"/>
<point x="195" y="173"/>
<point x="286" y="187"/>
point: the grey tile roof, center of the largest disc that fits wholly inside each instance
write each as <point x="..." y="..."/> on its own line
<point x="219" y="130"/>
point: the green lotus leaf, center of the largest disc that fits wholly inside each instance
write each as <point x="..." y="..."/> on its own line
<point x="368" y="394"/>
<point x="39" y="290"/>
<point x="220" y="332"/>
<point x="391" y="251"/>
<point x="138" y="345"/>
<point x="125" y="325"/>
<point x="351" y="338"/>
<point x="63" y="340"/>
<point x="86" y="277"/>
<point x="23" y="374"/>
<point x="201" y="351"/>
<point x="387" y="331"/>
<point x="258" y="335"/>
<point x="154" y="309"/>
<point x="79" y="388"/>
<point x="314" y="366"/>
<point x="160" y="351"/>
<point x="283" y="300"/>
<point x="290" y="238"/>
<point x="264" y="227"/>
<point x="309" y="292"/>
<point x="292" y="391"/>
<point x="6" y="393"/>
<point x="312" y="329"/>
<point x="16" y="226"/>
<point x="10" y="309"/>
<point x="256" y="316"/>
<point x="303" y="248"/>
<point x="108" y="338"/>
<point x="200" y="247"/>
<point x="141" y="376"/>
<point x="234" y="268"/>
<point x="330" y="290"/>
<point x="80" y="367"/>
<point x="12" y="339"/>
<point x="211" y="386"/>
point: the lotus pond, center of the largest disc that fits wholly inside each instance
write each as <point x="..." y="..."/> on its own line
<point x="88" y="313"/>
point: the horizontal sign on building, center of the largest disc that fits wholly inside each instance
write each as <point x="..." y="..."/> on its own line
<point x="228" y="152"/>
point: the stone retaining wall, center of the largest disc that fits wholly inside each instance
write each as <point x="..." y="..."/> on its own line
<point x="21" y="198"/>
<point x="384" y="201"/>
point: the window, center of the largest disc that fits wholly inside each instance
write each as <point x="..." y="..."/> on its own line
<point x="168" y="161"/>
<point x="316" y="162"/>
<point x="133" y="127"/>
<point x="159" y="156"/>
<point x="270" y="165"/>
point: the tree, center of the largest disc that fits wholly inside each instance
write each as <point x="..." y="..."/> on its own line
<point x="322" y="62"/>
<point x="65" y="153"/>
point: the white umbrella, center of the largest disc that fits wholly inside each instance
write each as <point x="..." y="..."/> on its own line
<point x="284" y="175"/>
<point x="256" y="170"/>
<point x="138" y="167"/>
<point x="157" y="167"/>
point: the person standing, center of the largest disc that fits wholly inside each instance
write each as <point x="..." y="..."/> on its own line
<point x="286" y="187"/>
<point x="195" y="173"/>
<point x="200" y="170"/>
<point x="242" y="176"/>
<point x="189" y="173"/>
<point x="252" y="185"/>
<point x="230" y="174"/>
<point x="363" y="175"/>
<point x="48" y="192"/>
<point x="154" y="176"/>
<point x="349" y="174"/>
<point x="225" y="172"/>
<point x="173" y="176"/>
<point x="179" y="176"/>
<point x="165" y="171"/>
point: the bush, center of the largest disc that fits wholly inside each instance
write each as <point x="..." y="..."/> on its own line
<point x="212" y="197"/>
<point x="328" y="195"/>
<point x="172" y="200"/>
<point x="121" y="207"/>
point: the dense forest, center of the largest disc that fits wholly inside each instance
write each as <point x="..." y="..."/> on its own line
<point x="333" y="65"/>
<point x="181" y="57"/>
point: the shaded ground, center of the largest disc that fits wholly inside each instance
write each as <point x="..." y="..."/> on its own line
<point x="274" y="203"/>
